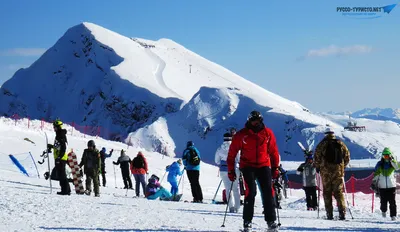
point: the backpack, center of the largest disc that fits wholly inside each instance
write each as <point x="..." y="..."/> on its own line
<point x="193" y="158"/>
<point x="138" y="162"/>
<point x="333" y="152"/>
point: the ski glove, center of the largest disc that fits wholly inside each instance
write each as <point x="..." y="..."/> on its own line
<point x="232" y="175"/>
<point x="49" y="147"/>
<point x="275" y="173"/>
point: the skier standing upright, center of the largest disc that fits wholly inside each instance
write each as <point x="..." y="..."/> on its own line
<point x="92" y="163"/>
<point x="331" y="157"/>
<point x="308" y="172"/>
<point x="220" y="159"/>
<point x="191" y="159"/>
<point x="60" y="156"/>
<point x="386" y="183"/>
<point x="259" y="160"/>
<point x="139" y="171"/>
<point x="174" y="170"/>
<point x="103" y="156"/>
<point x="124" y="162"/>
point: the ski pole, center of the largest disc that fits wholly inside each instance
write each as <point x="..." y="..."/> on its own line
<point x="227" y="204"/>
<point x="183" y="182"/>
<point x="277" y="214"/>
<point x="347" y="200"/>
<point x="115" y="177"/>
<point x="163" y="177"/>
<point x="319" y="192"/>
<point x="216" y="192"/>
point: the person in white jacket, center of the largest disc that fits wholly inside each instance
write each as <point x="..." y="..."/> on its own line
<point x="220" y="159"/>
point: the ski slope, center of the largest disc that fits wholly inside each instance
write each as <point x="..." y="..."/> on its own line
<point x="26" y="205"/>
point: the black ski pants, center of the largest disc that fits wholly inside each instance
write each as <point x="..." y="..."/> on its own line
<point x="193" y="176"/>
<point x="311" y="196"/>
<point x="62" y="177"/>
<point x="388" y="195"/>
<point x="126" y="176"/>
<point x="263" y="175"/>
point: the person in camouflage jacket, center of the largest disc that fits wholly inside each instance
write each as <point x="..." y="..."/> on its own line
<point x="332" y="174"/>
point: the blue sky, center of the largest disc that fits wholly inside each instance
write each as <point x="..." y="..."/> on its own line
<point x="348" y="64"/>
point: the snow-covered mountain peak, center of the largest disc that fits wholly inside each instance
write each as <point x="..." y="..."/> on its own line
<point x="159" y="90"/>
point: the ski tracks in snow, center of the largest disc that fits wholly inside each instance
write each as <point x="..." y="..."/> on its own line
<point x="158" y="73"/>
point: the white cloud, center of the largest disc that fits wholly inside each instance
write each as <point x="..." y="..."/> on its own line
<point x="23" y="52"/>
<point x="334" y="50"/>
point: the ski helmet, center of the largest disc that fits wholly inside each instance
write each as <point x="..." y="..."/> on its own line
<point x="189" y="144"/>
<point x="255" y="115"/>
<point x="329" y="131"/>
<point x="91" y="143"/>
<point x="227" y="137"/>
<point x="386" y="151"/>
<point x="57" y="123"/>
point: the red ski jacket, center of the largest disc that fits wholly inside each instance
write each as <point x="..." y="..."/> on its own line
<point x="257" y="149"/>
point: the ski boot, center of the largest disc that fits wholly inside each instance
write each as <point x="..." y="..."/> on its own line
<point x="246" y="227"/>
<point x="329" y="216"/>
<point x="272" y="226"/>
<point x="384" y="214"/>
<point x="393" y="218"/>
<point x="342" y="215"/>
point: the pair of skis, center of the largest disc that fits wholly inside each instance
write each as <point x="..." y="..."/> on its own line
<point x="306" y="151"/>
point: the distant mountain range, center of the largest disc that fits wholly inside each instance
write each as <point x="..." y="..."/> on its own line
<point x="376" y="112"/>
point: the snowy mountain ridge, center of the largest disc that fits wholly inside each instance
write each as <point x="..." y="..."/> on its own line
<point x="160" y="95"/>
<point x="377" y="112"/>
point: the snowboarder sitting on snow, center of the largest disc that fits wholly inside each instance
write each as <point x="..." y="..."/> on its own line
<point x="124" y="162"/>
<point x="60" y="156"/>
<point x="308" y="172"/>
<point x="174" y="170"/>
<point x="384" y="180"/>
<point x="103" y="157"/>
<point x="92" y="162"/>
<point x="154" y="190"/>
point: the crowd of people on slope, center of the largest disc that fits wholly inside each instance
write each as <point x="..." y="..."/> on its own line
<point x="251" y="154"/>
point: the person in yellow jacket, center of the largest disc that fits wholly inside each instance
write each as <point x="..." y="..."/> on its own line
<point x="60" y="156"/>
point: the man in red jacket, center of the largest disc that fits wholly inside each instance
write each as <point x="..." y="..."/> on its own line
<point x="258" y="153"/>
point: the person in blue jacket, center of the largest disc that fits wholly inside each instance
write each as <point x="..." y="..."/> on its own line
<point x="174" y="170"/>
<point x="284" y="175"/>
<point x="191" y="160"/>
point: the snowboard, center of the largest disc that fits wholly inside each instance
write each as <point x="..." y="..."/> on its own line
<point x="76" y="174"/>
<point x="173" y="198"/>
